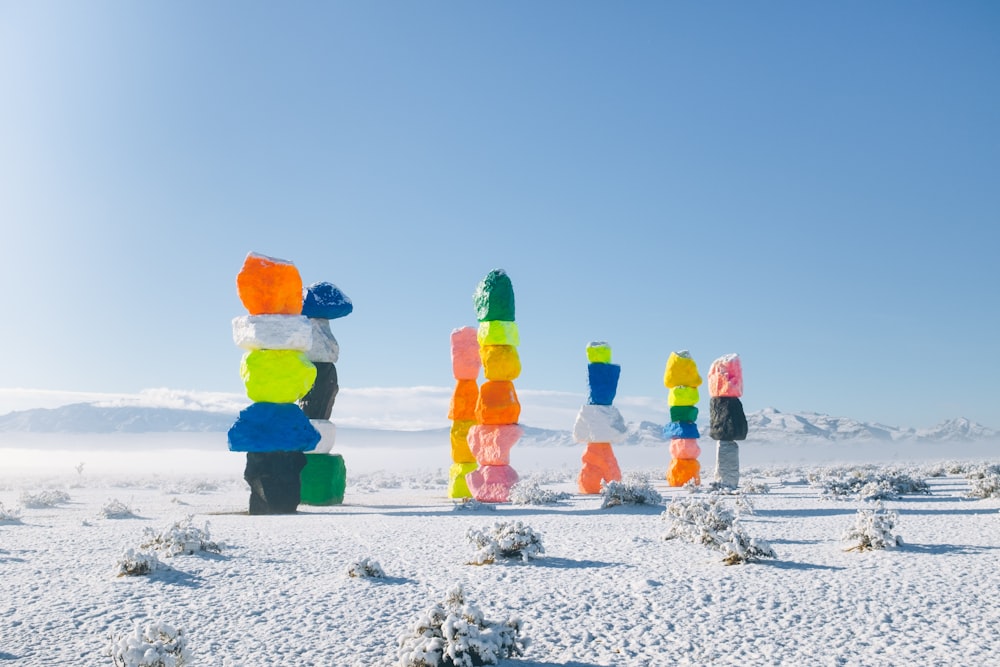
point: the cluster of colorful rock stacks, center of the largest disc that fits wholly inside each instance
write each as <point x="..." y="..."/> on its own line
<point x="497" y="408"/>
<point x="273" y="430"/>
<point x="465" y="364"/>
<point x="728" y="422"/>
<point x="682" y="379"/>
<point x="324" y="477"/>
<point x="599" y="424"/>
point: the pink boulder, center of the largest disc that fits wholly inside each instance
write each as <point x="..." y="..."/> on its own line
<point x="465" y="362"/>
<point x="725" y="377"/>
<point x="684" y="448"/>
<point x="491" y="484"/>
<point x="491" y="443"/>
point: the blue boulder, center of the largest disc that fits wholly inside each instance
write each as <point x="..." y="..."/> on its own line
<point x="325" y="301"/>
<point x="603" y="382"/>
<point x="681" y="430"/>
<point x="272" y="427"/>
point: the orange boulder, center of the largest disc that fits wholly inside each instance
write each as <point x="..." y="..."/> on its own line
<point x="269" y="286"/>
<point x="463" y="401"/>
<point x="497" y="403"/>
<point x="599" y="464"/>
<point x="682" y="471"/>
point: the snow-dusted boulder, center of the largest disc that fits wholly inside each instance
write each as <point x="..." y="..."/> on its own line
<point x="325" y="301"/>
<point x="324" y="346"/>
<point x="327" y="435"/>
<point x="599" y="423"/>
<point x="272" y="332"/>
<point x="725" y="376"/>
<point x="727" y="464"/>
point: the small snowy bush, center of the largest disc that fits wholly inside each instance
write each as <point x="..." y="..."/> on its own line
<point x="867" y="483"/>
<point x="505" y="540"/>
<point x="634" y="489"/>
<point x="181" y="537"/>
<point x="44" y="499"/>
<point x="12" y="515"/>
<point x="135" y="562"/>
<point x="872" y="529"/>
<point x="366" y="568"/>
<point x="984" y="481"/>
<point x="530" y="492"/>
<point x="154" y="644"/>
<point x="708" y="522"/>
<point x="473" y="505"/>
<point x="116" y="509"/>
<point x="454" y="633"/>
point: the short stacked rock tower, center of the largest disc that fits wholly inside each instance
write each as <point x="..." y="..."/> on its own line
<point x="599" y="424"/>
<point x="728" y="422"/>
<point x="324" y="477"/>
<point x="465" y="364"/>
<point x="273" y="430"/>
<point x="682" y="379"/>
<point x="497" y="408"/>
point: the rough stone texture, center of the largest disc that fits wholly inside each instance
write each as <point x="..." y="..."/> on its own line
<point x="683" y="413"/>
<point x="272" y="427"/>
<point x="727" y="464"/>
<point x="491" y="484"/>
<point x="725" y="376"/>
<point x="326" y="301"/>
<point x="269" y="286"/>
<point x="272" y="332"/>
<point x="494" y="297"/>
<point x="727" y="420"/>
<point x="491" y="443"/>
<point x="465" y="362"/>
<point x="684" y="448"/>
<point x="686" y="430"/>
<point x="682" y="396"/>
<point x="500" y="362"/>
<point x="599" y="423"/>
<point x="682" y="471"/>
<point x="323" y="479"/>
<point x="277" y="376"/>
<point x="599" y="464"/>
<point x="460" y="452"/>
<point x="457" y="486"/>
<point x="681" y="371"/>
<point x="463" y="401"/>
<point x="497" y="403"/>
<point x="318" y="402"/>
<point x="498" y="332"/>
<point x="324" y="346"/>
<point x="598" y="352"/>
<point x="274" y="479"/>
<point x="327" y="435"/>
<point x="602" y="383"/>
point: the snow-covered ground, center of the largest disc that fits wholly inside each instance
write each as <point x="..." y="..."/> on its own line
<point x="609" y="590"/>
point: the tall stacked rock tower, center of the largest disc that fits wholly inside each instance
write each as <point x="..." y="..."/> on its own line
<point x="599" y="424"/>
<point x="324" y="477"/>
<point x="497" y="408"/>
<point x="728" y="422"/>
<point x="465" y="364"/>
<point x="682" y="379"/>
<point x="273" y="430"/>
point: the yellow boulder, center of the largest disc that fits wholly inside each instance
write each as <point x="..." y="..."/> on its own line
<point x="500" y="362"/>
<point x="681" y="371"/>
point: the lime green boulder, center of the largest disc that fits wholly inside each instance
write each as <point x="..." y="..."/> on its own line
<point x="457" y="486"/>
<point x="599" y="353"/>
<point x="323" y="479"/>
<point x="494" y="297"/>
<point x="498" y="332"/>
<point x="277" y="376"/>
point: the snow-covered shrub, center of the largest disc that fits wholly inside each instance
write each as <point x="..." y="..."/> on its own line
<point x="867" y="483"/>
<point x="44" y="499"/>
<point x="473" y="505"/>
<point x="634" y="489"/>
<point x="12" y="515"/>
<point x="135" y="562"/>
<point x="706" y="521"/>
<point x="181" y="537"/>
<point x="754" y="486"/>
<point x="155" y="644"/>
<point x="984" y="481"/>
<point x="530" y="492"/>
<point x="507" y="539"/>
<point x="366" y="568"/>
<point x="116" y="509"/>
<point x="872" y="529"/>
<point x="454" y="633"/>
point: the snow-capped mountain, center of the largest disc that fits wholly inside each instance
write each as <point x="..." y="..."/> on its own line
<point x="767" y="425"/>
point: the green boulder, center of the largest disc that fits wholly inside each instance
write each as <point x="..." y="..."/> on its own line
<point x="494" y="297"/>
<point x="324" y="479"/>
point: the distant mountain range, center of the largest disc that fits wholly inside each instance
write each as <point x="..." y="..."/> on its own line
<point x="768" y="425"/>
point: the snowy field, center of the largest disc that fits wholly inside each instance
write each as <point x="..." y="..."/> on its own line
<point x="609" y="589"/>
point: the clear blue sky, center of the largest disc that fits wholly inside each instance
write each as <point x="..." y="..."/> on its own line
<point x="815" y="186"/>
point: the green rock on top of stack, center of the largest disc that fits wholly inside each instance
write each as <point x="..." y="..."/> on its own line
<point x="494" y="297"/>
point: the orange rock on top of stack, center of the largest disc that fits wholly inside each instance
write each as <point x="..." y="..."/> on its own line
<point x="269" y="286"/>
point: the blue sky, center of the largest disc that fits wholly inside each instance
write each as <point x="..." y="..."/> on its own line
<point x="811" y="185"/>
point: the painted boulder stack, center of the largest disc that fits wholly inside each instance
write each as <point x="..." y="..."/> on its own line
<point x="728" y="422"/>
<point x="324" y="476"/>
<point x="682" y="380"/>
<point x="599" y="424"/>
<point x="497" y="408"/>
<point x="273" y="430"/>
<point x="465" y="365"/>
